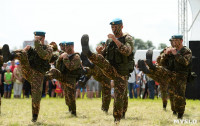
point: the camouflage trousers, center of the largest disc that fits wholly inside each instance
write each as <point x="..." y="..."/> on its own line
<point x="177" y="84"/>
<point x="120" y="84"/>
<point x="164" y="93"/>
<point x="34" y="77"/>
<point x="105" y="83"/>
<point x="69" y="87"/>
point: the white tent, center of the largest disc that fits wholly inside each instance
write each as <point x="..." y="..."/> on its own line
<point x="195" y="27"/>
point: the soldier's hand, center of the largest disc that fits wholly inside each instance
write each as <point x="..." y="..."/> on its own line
<point x="173" y="50"/>
<point x="111" y="36"/>
<point x="99" y="49"/>
<point x="27" y="48"/>
<point x="64" y="55"/>
<point x="167" y="51"/>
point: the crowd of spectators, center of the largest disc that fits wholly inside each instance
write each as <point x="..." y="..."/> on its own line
<point x="139" y="85"/>
<point x="142" y="86"/>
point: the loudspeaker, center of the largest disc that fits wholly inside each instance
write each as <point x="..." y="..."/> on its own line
<point x="193" y="89"/>
<point x="195" y="47"/>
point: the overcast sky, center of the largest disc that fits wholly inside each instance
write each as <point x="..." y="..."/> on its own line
<point x="68" y="20"/>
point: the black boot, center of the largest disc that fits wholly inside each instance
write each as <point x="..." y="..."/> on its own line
<point x="174" y="112"/>
<point x="123" y="116"/>
<point x="149" y="55"/>
<point x="70" y="109"/>
<point x="142" y="67"/>
<point x="73" y="113"/>
<point x="34" y="119"/>
<point x="6" y="53"/>
<point x="104" y="110"/>
<point x="164" y="107"/>
<point x="85" y="45"/>
<point x="86" y="62"/>
<point x="180" y="115"/>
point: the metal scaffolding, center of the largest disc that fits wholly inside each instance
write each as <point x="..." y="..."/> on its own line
<point x="183" y="20"/>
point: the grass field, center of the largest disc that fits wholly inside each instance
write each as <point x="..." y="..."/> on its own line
<point x="53" y="112"/>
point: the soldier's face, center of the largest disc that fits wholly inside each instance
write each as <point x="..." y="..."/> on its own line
<point x="116" y="29"/>
<point x="177" y="43"/>
<point x="173" y="43"/>
<point x="41" y="38"/>
<point x="69" y="48"/>
<point x="62" y="47"/>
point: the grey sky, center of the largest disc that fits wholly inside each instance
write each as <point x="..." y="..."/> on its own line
<point x="68" y="20"/>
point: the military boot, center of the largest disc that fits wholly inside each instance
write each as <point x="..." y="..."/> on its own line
<point x="86" y="62"/>
<point x="70" y="109"/>
<point x="174" y="113"/>
<point x="73" y="113"/>
<point x="104" y="110"/>
<point x="180" y="115"/>
<point x="6" y="53"/>
<point x="85" y="45"/>
<point x="164" y="107"/>
<point x="149" y="55"/>
<point x="142" y="67"/>
<point x="123" y="116"/>
<point x="34" y="119"/>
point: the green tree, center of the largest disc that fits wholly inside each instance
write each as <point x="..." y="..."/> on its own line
<point x="150" y="45"/>
<point x="139" y="44"/>
<point x="162" y="46"/>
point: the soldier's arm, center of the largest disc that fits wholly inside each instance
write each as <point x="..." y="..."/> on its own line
<point x="72" y="64"/>
<point x="45" y="54"/>
<point x="184" y="59"/>
<point x="127" y="48"/>
<point x="58" y="62"/>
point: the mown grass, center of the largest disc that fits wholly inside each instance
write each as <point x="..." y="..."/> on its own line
<point x="54" y="112"/>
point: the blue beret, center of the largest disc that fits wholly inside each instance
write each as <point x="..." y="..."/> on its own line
<point x="170" y="39"/>
<point x="102" y="42"/>
<point x="69" y="43"/>
<point x="62" y="43"/>
<point x="116" y="21"/>
<point x="177" y="37"/>
<point x="39" y="33"/>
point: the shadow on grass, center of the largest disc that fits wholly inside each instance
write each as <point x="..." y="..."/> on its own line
<point x="38" y="124"/>
<point x="133" y="118"/>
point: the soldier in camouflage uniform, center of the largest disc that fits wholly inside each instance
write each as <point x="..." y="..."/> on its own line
<point x="67" y="72"/>
<point x="177" y="76"/>
<point x="116" y="65"/>
<point x="34" y="63"/>
<point x="166" y="60"/>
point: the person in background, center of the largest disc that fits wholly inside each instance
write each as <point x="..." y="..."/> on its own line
<point x="58" y="90"/>
<point x="132" y="83"/>
<point x="17" y="79"/>
<point x="93" y="84"/>
<point x="7" y="83"/>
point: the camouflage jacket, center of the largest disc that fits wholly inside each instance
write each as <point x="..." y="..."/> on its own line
<point x="181" y="62"/>
<point x="125" y="49"/>
<point x="44" y="51"/>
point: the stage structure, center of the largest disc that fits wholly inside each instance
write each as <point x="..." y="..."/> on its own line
<point x="193" y="41"/>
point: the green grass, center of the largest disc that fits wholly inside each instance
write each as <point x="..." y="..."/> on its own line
<point x="53" y="112"/>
